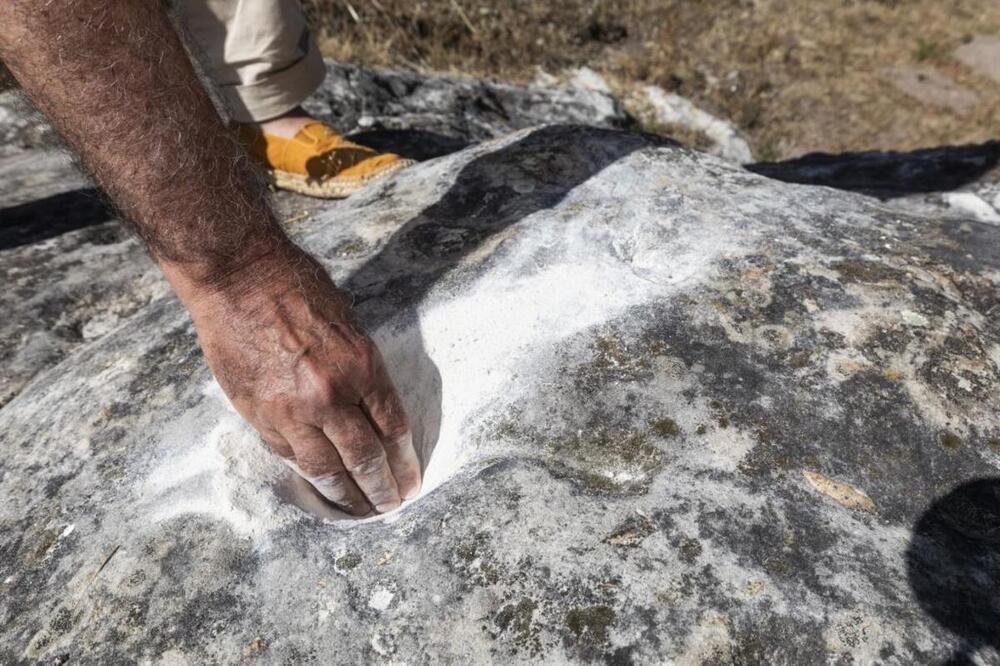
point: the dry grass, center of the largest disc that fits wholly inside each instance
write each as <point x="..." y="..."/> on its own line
<point x="795" y="75"/>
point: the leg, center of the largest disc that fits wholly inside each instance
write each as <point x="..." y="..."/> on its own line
<point x="259" y="54"/>
<point x="112" y="77"/>
<point x="262" y="59"/>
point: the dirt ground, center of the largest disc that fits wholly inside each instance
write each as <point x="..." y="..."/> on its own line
<point x="795" y="75"/>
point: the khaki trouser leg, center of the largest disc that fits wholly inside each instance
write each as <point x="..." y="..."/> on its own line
<point x="259" y="53"/>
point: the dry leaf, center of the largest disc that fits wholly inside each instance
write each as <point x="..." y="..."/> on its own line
<point x="842" y="493"/>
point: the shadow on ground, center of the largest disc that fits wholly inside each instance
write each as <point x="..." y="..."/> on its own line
<point x="953" y="563"/>
<point x="888" y="175"/>
<point x="41" y="219"/>
<point x="413" y="144"/>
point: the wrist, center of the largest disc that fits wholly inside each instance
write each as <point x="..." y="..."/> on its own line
<point x="261" y="265"/>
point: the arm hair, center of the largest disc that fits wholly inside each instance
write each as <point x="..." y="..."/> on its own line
<point x="115" y="81"/>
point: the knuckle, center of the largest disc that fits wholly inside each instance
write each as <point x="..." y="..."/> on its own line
<point x="334" y="485"/>
<point x="367" y="354"/>
<point x="316" y="464"/>
<point x="320" y="392"/>
<point x="368" y="465"/>
<point x="398" y="439"/>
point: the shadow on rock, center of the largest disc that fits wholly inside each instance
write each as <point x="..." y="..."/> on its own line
<point x="888" y="175"/>
<point x="35" y="221"/>
<point x="953" y="563"/>
<point x="490" y="194"/>
<point x="417" y="145"/>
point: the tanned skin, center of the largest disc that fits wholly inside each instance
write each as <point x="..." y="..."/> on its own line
<point x="113" y="78"/>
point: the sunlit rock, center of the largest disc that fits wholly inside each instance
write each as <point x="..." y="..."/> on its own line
<point x="669" y="410"/>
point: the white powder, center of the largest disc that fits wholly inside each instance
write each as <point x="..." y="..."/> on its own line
<point x="472" y="347"/>
<point x="381" y="599"/>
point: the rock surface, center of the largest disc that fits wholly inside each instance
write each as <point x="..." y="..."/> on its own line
<point x="73" y="273"/>
<point x="672" y="109"/>
<point x="428" y="116"/>
<point x="981" y="55"/>
<point x="416" y="115"/>
<point x="670" y="410"/>
<point x="929" y="86"/>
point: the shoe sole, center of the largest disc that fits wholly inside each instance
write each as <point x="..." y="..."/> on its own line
<point x="332" y="188"/>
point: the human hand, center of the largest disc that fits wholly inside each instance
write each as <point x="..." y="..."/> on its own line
<point x="277" y="333"/>
<point x="288" y="352"/>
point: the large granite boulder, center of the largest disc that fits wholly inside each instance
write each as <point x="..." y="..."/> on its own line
<point x="418" y="115"/>
<point x="422" y="116"/>
<point x="670" y="410"/>
<point x="71" y="272"/>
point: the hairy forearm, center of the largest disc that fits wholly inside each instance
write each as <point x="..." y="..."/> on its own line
<point x="113" y="78"/>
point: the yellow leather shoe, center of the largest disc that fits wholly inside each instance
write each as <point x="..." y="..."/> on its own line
<point x="318" y="161"/>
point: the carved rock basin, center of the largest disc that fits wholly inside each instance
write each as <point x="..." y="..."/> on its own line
<point x="668" y="409"/>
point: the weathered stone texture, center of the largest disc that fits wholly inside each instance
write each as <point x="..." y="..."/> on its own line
<point x="670" y="410"/>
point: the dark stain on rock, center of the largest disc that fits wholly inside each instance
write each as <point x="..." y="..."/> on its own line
<point x="474" y="560"/>
<point x="783" y="540"/>
<point x="631" y="532"/>
<point x="608" y="460"/>
<point x="614" y="360"/>
<point x="690" y="550"/>
<point x="53" y="485"/>
<point x="590" y="625"/>
<point x="799" y="359"/>
<point x="622" y="656"/>
<point x="599" y="459"/>
<point x="172" y="363"/>
<point x="515" y="622"/>
<point x="347" y="561"/>
<point x="950" y="440"/>
<point x="857" y="270"/>
<point x="206" y="615"/>
<point x="664" y="427"/>
<point x="353" y="247"/>
<point x="62" y="621"/>
<point x="44" y="541"/>
<point x="945" y="370"/>
<point x="773" y="639"/>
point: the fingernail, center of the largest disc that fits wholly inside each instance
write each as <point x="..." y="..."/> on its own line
<point x="357" y="510"/>
<point x="387" y="507"/>
<point x="413" y="493"/>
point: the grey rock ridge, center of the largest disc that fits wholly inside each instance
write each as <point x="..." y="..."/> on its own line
<point x="418" y="115"/>
<point x="670" y="410"/>
<point x="73" y="274"/>
<point x="422" y="116"/>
